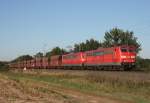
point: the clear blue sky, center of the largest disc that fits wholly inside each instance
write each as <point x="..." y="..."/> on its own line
<point x="30" y="26"/>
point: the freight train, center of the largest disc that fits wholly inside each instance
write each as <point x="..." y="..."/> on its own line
<point x="117" y="57"/>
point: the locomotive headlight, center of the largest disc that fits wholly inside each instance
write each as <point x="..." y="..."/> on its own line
<point x="132" y="57"/>
<point x="82" y="60"/>
<point x="123" y="56"/>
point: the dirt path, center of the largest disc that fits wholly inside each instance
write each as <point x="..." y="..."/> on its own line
<point x="26" y="91"/>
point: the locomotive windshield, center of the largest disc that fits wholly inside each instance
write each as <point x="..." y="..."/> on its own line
<point x="127" y="50"/>
<point x="131" y="50"/>
<point x="124" y="50"/>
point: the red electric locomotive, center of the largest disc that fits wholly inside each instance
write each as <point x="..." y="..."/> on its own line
<point x="73" y="59"/>
<point x="114" y="57"/>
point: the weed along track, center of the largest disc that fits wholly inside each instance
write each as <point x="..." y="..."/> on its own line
<point x="73" y="87"/>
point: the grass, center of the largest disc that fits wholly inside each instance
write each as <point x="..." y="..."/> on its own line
<point x="123" y="86"/>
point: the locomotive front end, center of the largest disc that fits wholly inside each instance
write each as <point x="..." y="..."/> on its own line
<point x="128" y="57"/>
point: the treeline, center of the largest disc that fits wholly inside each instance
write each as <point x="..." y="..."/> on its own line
<point x="3" y="65"/>
<point x="143" y="64"/>
<point x="114" y="37"/>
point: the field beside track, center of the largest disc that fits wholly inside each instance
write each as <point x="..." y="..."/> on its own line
<point x="74" y="86"/>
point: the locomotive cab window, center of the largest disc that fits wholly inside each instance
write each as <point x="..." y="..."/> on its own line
<point x="124" y="50"/>
<point x="108" y="52"/>
<point x="70" y="57"/>
<point x="131" y="50"/>
<point x="88" y="54"/>
<point x="97" y="53"/>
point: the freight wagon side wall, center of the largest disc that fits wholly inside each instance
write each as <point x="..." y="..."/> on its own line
<point x="45" y="62"/>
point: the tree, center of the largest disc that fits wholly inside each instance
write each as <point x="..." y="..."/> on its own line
<point x="23" y="57"/>
<point x="76" y="48"/>
<point x="88" y="45"/>
<point x="142" y="64"/>
<point x="93" y="44"/>
<point x="56" y="51"/>
<point x="48" y="54"/>
<point x="3" y="65"/>
<point x="38" y="55"/>
<point x="117" y="37"/>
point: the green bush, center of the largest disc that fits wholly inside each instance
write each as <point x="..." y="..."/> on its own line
<point x="143" y="64"/>
<point x="4" y="66"/>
